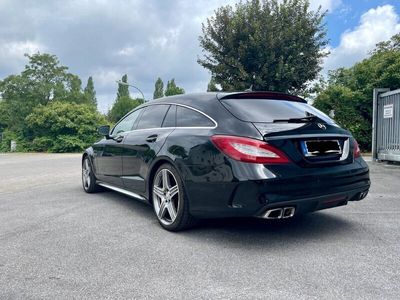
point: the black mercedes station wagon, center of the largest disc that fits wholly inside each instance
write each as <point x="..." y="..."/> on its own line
<point x="213" y="155"/>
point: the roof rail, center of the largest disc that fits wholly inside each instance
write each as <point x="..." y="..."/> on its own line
<point x="260" y="95"/>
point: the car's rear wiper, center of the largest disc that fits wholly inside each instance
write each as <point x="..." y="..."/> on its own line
<point x="307" y="119"/>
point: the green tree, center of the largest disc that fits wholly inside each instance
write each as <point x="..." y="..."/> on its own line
<point x="74" y="92"/>
<point x="158" y="89"/>
<point x="63" y="127"/>
<point x="47" y="78"/>
<point x="42" y="81"/>
<point x="212" y="86"/>
<point x="18" y="100"/>
<point x="270" y="44"/>
<point x="121" y="107"/>
<point x="173" y="89"/>
<point x="4" y="115"/>
<point x="90" y="93"/>
<point x="349" y="90"/>
<point x="124" y="103"/>
<point x="345" y="102"/>
<point x="123" y="89"/>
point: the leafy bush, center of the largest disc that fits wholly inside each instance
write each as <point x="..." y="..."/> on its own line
<point x="68" y="143"/>
<point x="63" y="127"/>
<point x="347" y="105"/>
<point x="41" y="144"/>
<point x="8" y="136"/>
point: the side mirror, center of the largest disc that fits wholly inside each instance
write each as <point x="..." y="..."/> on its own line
<point x="104" y="130"/>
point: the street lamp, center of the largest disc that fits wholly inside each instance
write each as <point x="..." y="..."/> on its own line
<point x="125" y="83"/>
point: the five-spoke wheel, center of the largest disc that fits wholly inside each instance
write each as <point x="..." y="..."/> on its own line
<point x="88" y="178"/>
<point x="169" y="200"/>
<point x="166" y="196"/>
<point x="86" y="174"/>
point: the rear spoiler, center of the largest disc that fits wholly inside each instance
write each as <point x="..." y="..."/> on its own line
<point x="260" y="95"/>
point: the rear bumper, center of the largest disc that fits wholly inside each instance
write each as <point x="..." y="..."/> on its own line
<point x="253" y="206"/>
<point x="315" y="203"/>
<point x="252" y="198"/>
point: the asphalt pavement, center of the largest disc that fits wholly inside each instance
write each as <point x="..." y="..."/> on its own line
<point x="57" y="242"/>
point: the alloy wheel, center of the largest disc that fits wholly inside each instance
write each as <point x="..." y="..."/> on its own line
<point x="86" y="170"/>
<point x="166" y="196"/>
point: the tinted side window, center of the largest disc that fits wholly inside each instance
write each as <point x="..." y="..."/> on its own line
<point x="186" y="117"/>
<point x="153" y="116"/>
<point x="127" y="123"/>
<point x="170" y="118"/>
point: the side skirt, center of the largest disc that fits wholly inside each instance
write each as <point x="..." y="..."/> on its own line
<point x="122" y="191"/>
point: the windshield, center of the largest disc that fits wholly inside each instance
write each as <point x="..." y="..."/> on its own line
<point x="266" y="110"/>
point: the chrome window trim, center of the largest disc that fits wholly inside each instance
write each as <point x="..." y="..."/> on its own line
<point x="170" y="103"/>
<point x="192" y="108"/>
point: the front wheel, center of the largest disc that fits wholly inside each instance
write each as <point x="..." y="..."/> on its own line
<point x="170" y="202"/>
<point x="88" y="178"/>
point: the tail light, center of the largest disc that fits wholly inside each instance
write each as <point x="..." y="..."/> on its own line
<point x="249" y="150"/>
<point x="356" y="151"/>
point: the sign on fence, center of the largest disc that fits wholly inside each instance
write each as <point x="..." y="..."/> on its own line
<point x="388" y="111"/>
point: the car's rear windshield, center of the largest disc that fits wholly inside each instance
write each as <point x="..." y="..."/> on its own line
<point x="268" y="110"/>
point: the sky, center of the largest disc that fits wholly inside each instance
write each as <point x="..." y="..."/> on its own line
<point x="146" y="39"/>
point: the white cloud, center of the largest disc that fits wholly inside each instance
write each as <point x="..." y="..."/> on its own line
<point x="169" y="38"/>
<point x="105" y="101"/>
<point x="106" y="77"/>
<point x="376" y="25"/>
<point x="17" y="49"/>
<point x="329" y="5"/>
<point x="12" y="52"/>
<point x="126" y="51"/>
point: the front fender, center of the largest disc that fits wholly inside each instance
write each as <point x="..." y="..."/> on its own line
<point x="89" y="152"/>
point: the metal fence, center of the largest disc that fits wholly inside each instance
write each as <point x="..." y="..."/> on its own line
<point x="386" y="125"/>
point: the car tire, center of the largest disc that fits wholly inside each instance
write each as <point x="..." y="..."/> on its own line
<point x="170" y="202"/>
<point x="88" y="178"/>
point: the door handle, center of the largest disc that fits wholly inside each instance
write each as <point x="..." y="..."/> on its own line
<point x="151" y="138"/>
<point x="119" y="138"/>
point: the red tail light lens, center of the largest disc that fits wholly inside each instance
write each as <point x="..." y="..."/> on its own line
<point x="249" y="150"/>
<point x="356" y="151"/>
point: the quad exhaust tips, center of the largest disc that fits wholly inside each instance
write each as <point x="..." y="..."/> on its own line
<point x="279" y="213"/>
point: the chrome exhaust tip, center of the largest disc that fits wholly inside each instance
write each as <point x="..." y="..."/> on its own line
<point x="288" y="212"/>
<point x="275" y="213"/>
<point x="363" y="195"/>
<point x="279" y="213"/>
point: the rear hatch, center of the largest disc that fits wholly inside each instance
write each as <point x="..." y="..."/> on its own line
<point x="308" y="136"/>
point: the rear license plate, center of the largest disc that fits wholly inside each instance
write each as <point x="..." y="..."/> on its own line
<point x="312" y="148"/>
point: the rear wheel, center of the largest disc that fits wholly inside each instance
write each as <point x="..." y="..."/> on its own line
<point x="170" y="202"/>
<point x="88" y="178"/>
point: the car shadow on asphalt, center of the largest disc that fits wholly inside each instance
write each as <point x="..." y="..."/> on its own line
<point x="133" y="204"/>
<point x="258" y="232"/>
<point x="311" y="220"/>
<point x="318" y="225"/>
